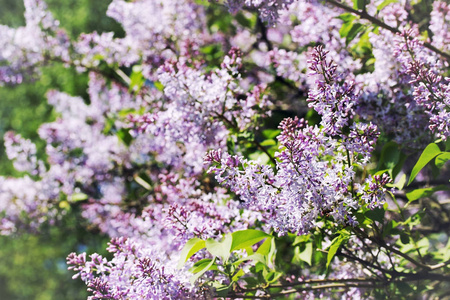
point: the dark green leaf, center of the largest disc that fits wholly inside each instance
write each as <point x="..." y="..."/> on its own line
<point x="376" y="214"/>
<point x="404" y="238"/>
<point x="359" y="4"/>
<point x="124" y="135"/>
<point x="390" y="155"/>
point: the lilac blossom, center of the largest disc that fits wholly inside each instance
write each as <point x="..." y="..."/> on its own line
<point x="430" y="88"/>
<point x="135" y="272"/>
<point x="268" y="9"/>
<point x="24" y="48"/>
<point x="440" y="25"/>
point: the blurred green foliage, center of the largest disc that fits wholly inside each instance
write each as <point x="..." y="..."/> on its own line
<point x="33" y="267"/>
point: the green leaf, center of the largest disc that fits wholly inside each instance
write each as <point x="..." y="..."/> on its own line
<point x="359" y="4"/>
<point x="221" y="289"/>
<point x="390" y="155"/>
<point x="137" y="80"/>
<point x="264" y="249"/>
<point x="376" y="214"/>
<point x="426" y="192"/>
<point x="221" y="249"/>
<point x="200" y="265"/>
<point x="158" y="85"/>
<point x="245" y="238"/>
<point x="345" y="29"/>
<point x="78" y="197"/>
<point x="257" y="257"/>
<point x="441" y="159"/>
<point x="202" y="271"/>
<point x="192" y="246"/>
<point x="271" y="276"/>
<point x="399" y="184"/>
<point x="399" y="166"/>
<point x="301" y="239"/>
<point x="143" y="182"/>
<point x="385" y="3"/>
<point x="430" y="152"/>
<point x="335" y="244"/>
<point x="238" y="275"/>
<point x="268" y="142"/>
<point x="306" y="254"/>
<point x="260" y="156"/>
<point x="353" y="32"/>
<point x="271" y="133"/>
<point x="124" y="135"/>
<point x="404" y="238"/>
<point x="346" y="17"/>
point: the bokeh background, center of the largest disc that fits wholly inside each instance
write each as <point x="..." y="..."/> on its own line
<point x="33" y="266"/>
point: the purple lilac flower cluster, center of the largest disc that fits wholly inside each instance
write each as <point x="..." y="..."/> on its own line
<point x="315" y="175"/>
<point x="134" y="272"/>
<point x="430" y="88"/>
<point x="154" y="139"/>
<point x="22" y="49"/>
<point x="268" y="9"/>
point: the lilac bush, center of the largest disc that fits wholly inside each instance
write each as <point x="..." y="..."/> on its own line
<point x="243" y="149"/>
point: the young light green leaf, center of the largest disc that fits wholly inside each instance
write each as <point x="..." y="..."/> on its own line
<point x="353" y="32"/>
<point x="334" y="247"/>
<point x="345" y="29"/>
<point x="306" y="254"/>
<point x="245" y="238"/>
<point x="268" y="142"/>
<point x="441" y="159"/>
<point x="430" y="152"/>
<point x="142" y="182"/>
<point x="221" y="249"/>
<point x="78" y="197"/>
<point x="200" y="265"/>
<point x="206" y="267"/>
<point x="399" y="184"/>
<point x="192" y="246"/>
<point x="264" y="249"/>
<point x="384" y="4"/>
<point x="238" y="275"/>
